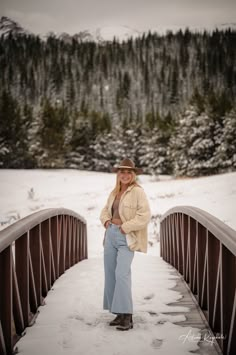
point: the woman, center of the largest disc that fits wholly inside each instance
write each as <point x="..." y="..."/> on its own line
<point x="125" y="217"/>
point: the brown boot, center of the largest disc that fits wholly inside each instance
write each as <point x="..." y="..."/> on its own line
<point x="126" y="322"/>
<point x="117" y="320"/>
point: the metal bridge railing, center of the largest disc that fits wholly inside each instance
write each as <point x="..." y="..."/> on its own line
<point x="203" y="250"/>
<point x="34" y="252"/>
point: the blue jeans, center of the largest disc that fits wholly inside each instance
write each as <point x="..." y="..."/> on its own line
<point x="117" y="267"/>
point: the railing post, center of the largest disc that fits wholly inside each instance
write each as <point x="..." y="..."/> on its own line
<point x="77" y="241"/>
<point x="213" y="287"/>
<point x="73" y="241"/>
<point x="85" y="241"/>
<point x="3" y="349"/>
<point x="204" y="302"/>
<point x="6" y="301"/>
<point x="62" y="246"/>
<point x="184" y="242"/>
<point x="81" y="227"/>
<point x="175" y="241"/>
<point x="191" y="250"/>
<point x="17" y="308"/>
<point x="161" y="241"/>
<point x="22" y="272"/>
<point x="35" y="250"/>
<point x="55" y="243"/>
<point x="167" y="240"/>
<point x="188" y="271"/>
<point x="201" y="246"/>
<point x="228" y="301"/>
<point x="195" y="262"/>
<point x="43" y="244"/>
<point x="172" y="245"/>
<point x="203" y="249"/>
<point x="45" y="237"/>
<point x="68" y="244"/>
<point x="179" y="243"/>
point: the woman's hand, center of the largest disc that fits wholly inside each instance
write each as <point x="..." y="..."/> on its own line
<point x="107" y="224"/>
<point x="121" y="230"/>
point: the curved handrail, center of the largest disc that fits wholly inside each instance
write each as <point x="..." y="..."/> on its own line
<point x="203" y="249"/>
<point x="14" y="231"/>
<point x="34" y="252"/>
<point x="222" y="231"/>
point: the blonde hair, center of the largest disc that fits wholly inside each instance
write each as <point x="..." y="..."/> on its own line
<point x="117" y="188"/>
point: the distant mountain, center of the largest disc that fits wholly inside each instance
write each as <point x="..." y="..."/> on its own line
<point x="102" y="34"/>
<point x="8" y="26"/>
<point x="231" y="25"/>
<point x="119" y="32"/>
<point x="99" y="35"/>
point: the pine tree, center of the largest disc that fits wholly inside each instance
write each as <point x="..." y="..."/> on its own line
<point x="154" y="152"/>
<point x="14" y="127"/>
<point x="118" y="83"/>
<point x="225" y="153"/>
<point x="52" y="132"/>
<point x="192" y="147"/>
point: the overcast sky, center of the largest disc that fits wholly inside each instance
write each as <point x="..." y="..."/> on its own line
<point x="42" y="16"/>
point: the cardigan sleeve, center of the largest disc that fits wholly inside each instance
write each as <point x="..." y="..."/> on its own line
<point x="105" y="214"/>
<point x="142" y="217"/>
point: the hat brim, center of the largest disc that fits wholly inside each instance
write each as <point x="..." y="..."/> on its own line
<point x="136" y="170"/>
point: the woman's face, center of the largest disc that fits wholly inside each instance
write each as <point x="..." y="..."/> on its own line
<point x="125" y="176"/>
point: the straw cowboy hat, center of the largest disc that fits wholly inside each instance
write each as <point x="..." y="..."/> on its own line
<point x="127" y="164"/>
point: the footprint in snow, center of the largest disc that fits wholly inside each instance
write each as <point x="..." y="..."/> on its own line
<point x="152" y="313"/>
<point x="149" y="297"/>
<point x="157" y="343"/>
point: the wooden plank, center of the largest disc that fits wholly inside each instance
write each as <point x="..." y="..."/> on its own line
<point x="195" y="317"/>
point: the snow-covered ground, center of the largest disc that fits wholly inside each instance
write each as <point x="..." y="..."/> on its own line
<point x="23" y="192"/>
<point x="73" y="322"/>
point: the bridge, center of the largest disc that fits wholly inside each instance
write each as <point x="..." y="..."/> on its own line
<point x="197" y="258"/>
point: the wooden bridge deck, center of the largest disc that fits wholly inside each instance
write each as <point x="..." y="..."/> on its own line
<point x="82" y="326"/>
<point x="194" y="318"/>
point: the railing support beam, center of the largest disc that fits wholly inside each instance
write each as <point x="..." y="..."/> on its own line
<point x="44" y="244"/>
<point x="203" y="249"/>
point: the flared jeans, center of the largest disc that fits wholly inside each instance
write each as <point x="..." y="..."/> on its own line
<point x="117" y="266"/>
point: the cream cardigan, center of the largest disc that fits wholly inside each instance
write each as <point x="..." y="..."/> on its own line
<point x="135" y="214"/>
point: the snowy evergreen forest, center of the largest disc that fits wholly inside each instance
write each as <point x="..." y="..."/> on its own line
<point x="167" y="101"/>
